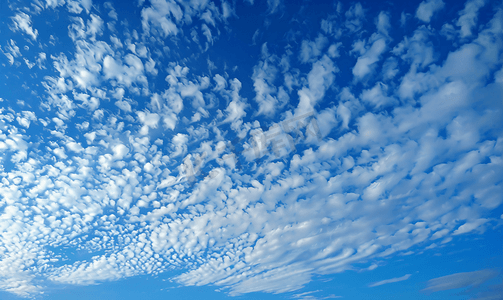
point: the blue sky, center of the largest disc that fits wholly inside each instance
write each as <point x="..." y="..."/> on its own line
<point x="251" y="149"/>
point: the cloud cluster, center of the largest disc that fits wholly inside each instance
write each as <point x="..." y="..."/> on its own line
<point x="135" y="163"/>
<point x="427" y="8"/>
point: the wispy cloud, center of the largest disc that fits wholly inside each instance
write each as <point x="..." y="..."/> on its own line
<point x="309" y="296"/>
<point x="23" y="22"/>
<point x="392" y="280"/>
<point x="460" y="280"/>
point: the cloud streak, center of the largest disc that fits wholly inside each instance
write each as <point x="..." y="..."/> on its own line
<point x="391" y="280"/>
<point x="459" y="280"/>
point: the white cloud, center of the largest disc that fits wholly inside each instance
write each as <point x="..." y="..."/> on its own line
<point x="264" y="75"/>
<point x="90" y="103"/>
<point x="87" y="4"/>
<point x="354" y="17"/>
<point x="207" y="16"/>
<point x="227" y="10"/>
<point x="149" y="121"/>
<point x="75" y="147"/>
<point x="236" y="108"/>
<point x="41" y="59"/>
<point x="94" y="26"/>
<point x="221" y="82"/>
<point x="428" y="8"/>
<point x="392" y="280"/>
<point x="345" y="114"/>
<point x="319" y="79"/>
<point x="273" y="6"/>
<point x="74" y="7"/>
<point x="333" y="50"/>
<point x="207" y="33"/>
<point x="389" y="68"/>
<point x="417" y="50"/>
<point x="469" y="226"/>
<point x="25" y="118"/>
<point x="378" y="96"/>
<point x="84" y="69"/>
<point x="179" y="142"/>
<point x="459" y="280"/>
<point x="120" y="151"/>
<point x="124" y="74"/>
<point x="468" y="17"/>
<point x="364" y="64"/>
<point x="22" y="22"/>
<point x="54" y="3"/>
<point x="326" y="121"/>
<point x="311" y="50"/>
<point x="145" y="194"/>
<point x="382" y="23"/>
<point x="159" y="14"/>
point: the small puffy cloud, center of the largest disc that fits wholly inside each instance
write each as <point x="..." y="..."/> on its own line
<point x="84" y="68"/>
<point x="221" y="83"/>
<point x="227" y="10"/>
<point x="179" y="142"/>
<point x="389" y="68"/>
<point x="333" y="50"/>
<point x="90" y="103"/>
<point x="149" y="120"/>
<point x="161" y="15"/>
<point x="354" y="17"/>
<point x="75" y="147"/>
<point x="428" y="8"/>
<point x="94" y="26"/>
<point x="382" y="23"/>
<point x="344" y="114"/>
<point x="236" y="108"/>
<point x="417" y="50"/>
<point x="207" y="17"/>
<point x="470" y="226"/>
<point x="22" y="22"/>
<point x="76" y="6"/>
<point x="54" y="3"/>
<point x="364" y="64"/>
<point x="311" y="50"/>
<point x="125" y="105"/>
<point x="468" y="17"/>
<point x="120" y="151"/>
<point x="25" y="118"/>
<point x="326" y="120"/>
<point x="207" y="33"/>
<point x="41" y="60"/>
<point x="319" y="79"/>
<point x="124" y="74"/>
<point x="60" y="152"/>
<point x="264" y="75"/>
<point x="378" y="96"/>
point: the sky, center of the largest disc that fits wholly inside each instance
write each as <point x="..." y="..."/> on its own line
<point x="251" y="149"/>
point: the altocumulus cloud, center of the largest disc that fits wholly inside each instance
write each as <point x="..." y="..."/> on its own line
<point x="170" y="137"/>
